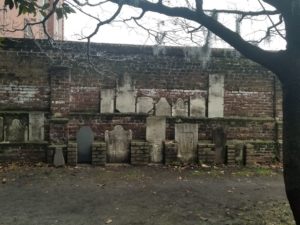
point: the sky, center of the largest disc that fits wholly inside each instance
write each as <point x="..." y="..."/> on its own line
<point x="77" y="25"/>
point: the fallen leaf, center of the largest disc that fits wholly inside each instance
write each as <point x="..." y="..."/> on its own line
<point x="108" y="221"/>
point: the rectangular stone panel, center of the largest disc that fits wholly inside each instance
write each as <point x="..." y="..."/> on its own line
<point x="216" y="96"/>
<point x="107" y="101"/>
<point x="197" y="106"/>
<point x="36" y="126"/>
<point x="144" y="105"/>
<point x="162" y="108"/>
<point x="180" y="108"/>
<point x="1" y="129"/>
<point x="186" y="135"/>
<point x="156" y="134"/>
<point x="125" y="101"/>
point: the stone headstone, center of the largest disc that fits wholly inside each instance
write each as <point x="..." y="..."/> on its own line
<point x="216" y="95"/>
<point x="1" y="129"/>
<point x="16" y="131"/>
<point x="219" y="139"/>
<point x="118" y="142"/>
<point x="58" y="159"/>
<point x="162" y="108"/>
<point x="107" y="100"/>
<point x="126" y="96"/>
<point x="156" y="134"/>
<point x="186" y="135"/>
<point x="144" y="105"/>
<point x="36" y="126"/>
<point x="85" y="138"/>
<point x="197" y="106"/>
<point x="180" y="108"/>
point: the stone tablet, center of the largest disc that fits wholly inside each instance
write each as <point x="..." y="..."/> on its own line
<point x="180" y="108"/>
<point x="156" y="134"/>
<point x="144" y="105"/>
<point x="16" y="131"/>
<point x="36" y="126"/>
<point x="107" y="100"/>
<point x="216" y="95"/>
<point x="186" y="135"/>
<point x="58" y="159"/>
<point x="197" y="106"/>
<point x="85" y="138"/>
<point x="219" y="139"/>
<point x="118" y="142"/>
<point x="125" y="101"/>
<point x="162" y="108"/>
<point x="1" y="129"/>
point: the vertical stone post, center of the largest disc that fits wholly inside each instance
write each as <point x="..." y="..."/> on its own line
<point x="60" y="78"/>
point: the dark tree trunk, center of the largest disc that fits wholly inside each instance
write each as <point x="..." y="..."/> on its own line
<point x="291" y="136"/>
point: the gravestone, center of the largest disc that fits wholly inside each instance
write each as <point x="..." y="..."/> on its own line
<point x="216" y="95"/>
<point x="180" y="108"/>
<point x="126" y="96"/>
<point x="85" y="138"/>
<point x="58" y="159"/>
<point x="1" y="129"/>
<point x="186" y="135"/>
<point x="36" y="126"/>
<point x="197" y="106"/>
<point x="156" y="134"/>
<point x="107" y="101"/>
<point x="118" y="143"/>
<point x="144" y="105"/>
<point x="219" y="139"/>
<point x="162" y="108"/>
<point x="16" y="131"/>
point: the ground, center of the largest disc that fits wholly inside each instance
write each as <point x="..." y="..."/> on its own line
<point x="126" y="195"/>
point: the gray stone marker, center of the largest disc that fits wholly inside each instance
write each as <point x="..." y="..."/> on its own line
<point x="219" y="139"/>
<point x="187" y="137"/>
<point x="197" y="106"/>
<point x="118" y="142"/>
<point x="107" y="100"/>
<point x="162" y="108"/>
<point x="1" y="129"/>
<point x="126" y="96"/>
<point x="85" y="138"/>
<point x="144" y="105"/>
<point x="216" y="95"/>
<point x="156" y="134"/>
<point x="58" y="159"/>
<point x="36" y="126"/>
<point x="180" y="108"/>
<point x="16" y="131"/>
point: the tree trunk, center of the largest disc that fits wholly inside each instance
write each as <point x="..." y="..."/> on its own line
<point x="291" y="136"/>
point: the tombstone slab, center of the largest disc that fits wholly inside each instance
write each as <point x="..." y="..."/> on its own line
<point x="197" y="106"/>
<point x="1" y="129"/>
<point x="118" y="142"/>
<point x="144" y="105"/>
<point x="162" y="108"/>
<point x="216" y="95"/>
<point x="187" y="137"/>
<point x="36" y="126"/>
<point x="85" y="138"/>
<point x="125" y="101"/>
<point x="58" y="159"/>
<point x="107" y="101"/>
<point x="16" y="131"/>
<point x="156" y="134"/>
<point x="219" y="139"/>
<point x="180" y="108"/>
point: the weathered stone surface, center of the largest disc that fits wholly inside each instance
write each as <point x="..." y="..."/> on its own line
<point x="16" y="131"/>
<point x="187" y="137"/>
<point x="107" y="100"/>
<point x="216" y="95"/>
<point x="36" y="127"/>
<point x="180" y="108"/>
<point x="1" y="129"/>
<point x="206" y="153"/>
<point x="139" y="152"/>
<point x="85" y="138"/>
<point x="197" y="106"/>
<point x="126" y="96"/>
<point x="219" y="139"/>
<point x="58" y="159"/>
<point x="72" y="154"/>
<point x="144" y="105"/>
<point x="163" y="108"/>
<point x="118" y="141"/>
<point x="99" y="153"/>
<point x="156" y="134"/>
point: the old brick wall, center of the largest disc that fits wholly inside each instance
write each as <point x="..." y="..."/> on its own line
<point x="69" y="100"/>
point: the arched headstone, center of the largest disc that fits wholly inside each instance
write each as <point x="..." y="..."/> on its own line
<point x="85" y="138"/>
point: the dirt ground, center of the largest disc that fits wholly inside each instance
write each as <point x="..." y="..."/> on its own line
<point x="125" y="195"/>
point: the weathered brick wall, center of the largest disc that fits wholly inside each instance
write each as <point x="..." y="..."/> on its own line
<point x="30" y="81"/>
